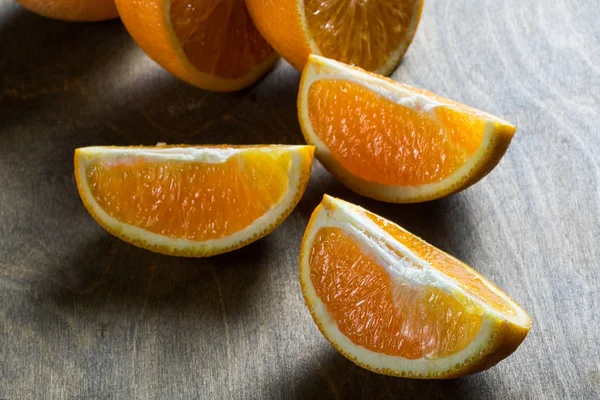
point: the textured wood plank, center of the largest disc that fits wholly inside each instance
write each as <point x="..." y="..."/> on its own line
<point x="84" y="315"/>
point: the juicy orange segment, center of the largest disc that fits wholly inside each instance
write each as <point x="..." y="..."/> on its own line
<point x="191" y="201"/>
<point x="392" y="142"/>
<point x="363" y="33"/>
<point x="218" y="37"/>
<point x="394" y="304"/>
<point x="388" y="143"/>
<point x="372" y="34"/>
<point x="382" y="315"/>
<point x="212" y="44"/>
<point x="179" y="199"/>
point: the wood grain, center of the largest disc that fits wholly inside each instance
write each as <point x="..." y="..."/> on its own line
<point x="86" y="316"/>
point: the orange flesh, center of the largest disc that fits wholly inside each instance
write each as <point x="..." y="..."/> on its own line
<point x="387" y="143"/>
<point x="464" y="275"/>
<point x="218" y="37"/>
<point x="197" y="201"/>
<point x="385" y="315"/>
<point x="359" y="32"/>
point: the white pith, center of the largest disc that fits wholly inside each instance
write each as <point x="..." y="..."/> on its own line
<point x="392" y="60"/>
<point x="324" y="69"/>
<point x="92" y="155"/>
<point x="352" y="220"/>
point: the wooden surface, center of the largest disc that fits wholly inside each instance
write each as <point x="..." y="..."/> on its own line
<point x="86" y="316"/>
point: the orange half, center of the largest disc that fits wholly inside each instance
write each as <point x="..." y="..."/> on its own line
<point x="212" y="44"/>
<point x="392" y="142"/>
<point x="191" y="201"/>
<point x="394" y="304"/>
<point x="372" y="34"/>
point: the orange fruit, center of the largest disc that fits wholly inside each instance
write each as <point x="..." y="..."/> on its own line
<point x="212" y="44"/>
<point x="393" y="142"/>
<point x="73" y="10"/>
<point x="191" y="201"/>
<point x="396" y="305"/>
<point x="372" y="34"/>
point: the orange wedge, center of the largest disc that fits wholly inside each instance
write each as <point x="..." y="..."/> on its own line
<point x="396" y="305"/>
<point x="372" y="34"/>
<point x="73" y="10"/>
<point x="191" y="201"/>
<point x="212" y="44"/>
<point x="392" y="142"/>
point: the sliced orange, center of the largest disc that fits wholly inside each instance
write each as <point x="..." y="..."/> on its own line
<point x="372" y="34"/>
<point x="396" y="305"/>
<point x="212" y="44"/>
<point x="393" y="142"/>
<point x="191" y="201"/>
<point x="73" y="10"/>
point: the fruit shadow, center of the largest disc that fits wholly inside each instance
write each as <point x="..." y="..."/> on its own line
<point x="335" y="377"/>
<point x="159" y="107"/>
<point x="114" y="279"/>
<point x="46" y="64"/>
<point x="444" y="222"/>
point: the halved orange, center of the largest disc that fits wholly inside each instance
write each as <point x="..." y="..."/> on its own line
<point x="191" y="201"/>
<point x="73" y="10"/>
<point x="371" y="34"/>
<point x="396" y="305"/>
<point x="212" y="44"/>
<point x="393" y="142"/>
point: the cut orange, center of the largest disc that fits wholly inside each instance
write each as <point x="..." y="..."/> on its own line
<point x="396" y="305"/>
<point x="212" y="44"/>
<point x="372" y="34"/>
<point x="191" y="201"/>
<point x="73" y="10"/>
<point x="392" y="142"/>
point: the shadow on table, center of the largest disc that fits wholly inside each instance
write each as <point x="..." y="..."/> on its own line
<point x="440" y="222"/>
<point x="44" y="59"/>
<point x="158" y="107"/>
<point x="113" y="277"/>
<point x="335" y="377"/>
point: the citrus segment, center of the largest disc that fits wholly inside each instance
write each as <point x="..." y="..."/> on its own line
<point x="212" y="44"/>
<point x="392" y="142"/>
<point x="374" y="294"/>
<point x="363" y="33"/>
<point x="380" y="314"/>
<point x="372" y="34"/>
<point x="134" y="193"/>
<point x="218" y="37"/>
<point x="192" y="201"/>
<point x="386" y="142"/>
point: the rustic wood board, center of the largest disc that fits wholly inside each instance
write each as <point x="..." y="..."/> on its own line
<point x="86" y="316"/>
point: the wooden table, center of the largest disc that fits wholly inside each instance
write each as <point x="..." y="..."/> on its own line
<point x="86" y="316"/>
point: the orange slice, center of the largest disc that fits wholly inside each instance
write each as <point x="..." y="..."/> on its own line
<point x="392" y="142"/>
<point x="396" y="305"/>
<point x="73" y="10"/>
<point x="372" y="34"/>
<point x="191" y="201"/>
<point x="212" y="44"/>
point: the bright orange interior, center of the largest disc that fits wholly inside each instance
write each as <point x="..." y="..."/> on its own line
<point x="388" y="143"/>
<point x="464" y="275"/>
<point x="197" y="201"/>
<point x="218" y="36"/>
<point x="360" y="32"/>
<point x="384" y="315"/>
